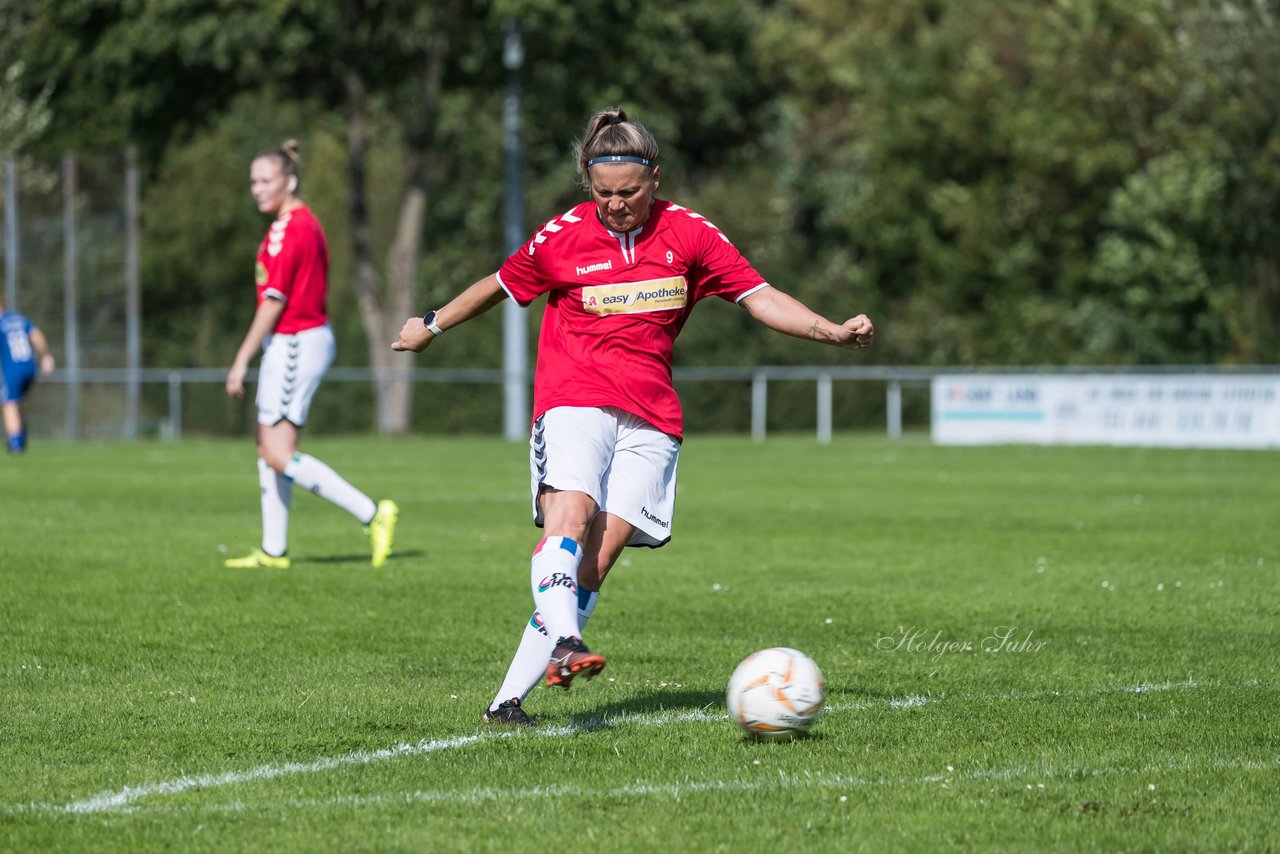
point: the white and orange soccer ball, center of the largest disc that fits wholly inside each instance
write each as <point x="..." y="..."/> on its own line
<point x="776" y="694"/>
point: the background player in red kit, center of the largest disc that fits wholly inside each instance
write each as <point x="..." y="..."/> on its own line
<point x="622" y="273"/>
<point x="291" y="324"/>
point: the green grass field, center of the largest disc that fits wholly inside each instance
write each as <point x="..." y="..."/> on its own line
<point x="154" y="700"/>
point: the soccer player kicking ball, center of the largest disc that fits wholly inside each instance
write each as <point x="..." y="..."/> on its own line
<point x="291" y="326"/>
<point x="622" y="273"/>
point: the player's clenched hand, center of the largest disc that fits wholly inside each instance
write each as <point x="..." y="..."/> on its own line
<point x="414" y="336"/>
<point x="857" y="332"/>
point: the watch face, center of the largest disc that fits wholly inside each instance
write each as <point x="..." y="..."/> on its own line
<point x="429" y="318"/>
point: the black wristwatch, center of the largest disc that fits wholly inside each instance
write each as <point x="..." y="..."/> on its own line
<point x="429" y="321"/>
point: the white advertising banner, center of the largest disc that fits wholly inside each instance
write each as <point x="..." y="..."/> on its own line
<point x="1169" y="410"/>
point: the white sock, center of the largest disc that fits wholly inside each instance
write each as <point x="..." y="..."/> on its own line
<point x="277" y="491"/>
<point x="529" y="665"/>
<point x="316" y="477"/>
<point x="553" y="575"/>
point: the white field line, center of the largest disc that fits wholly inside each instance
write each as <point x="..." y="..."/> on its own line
<point x="108" y="801"/>
<point x="121" y="800"/>
<point x="914" y="700"/>
<point x="1036" y="779"/>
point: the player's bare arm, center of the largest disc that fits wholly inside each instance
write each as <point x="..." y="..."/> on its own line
<point x="264" y="321"/>
<point x="786" y="314"/>
<point x="41" y="345"/>
<point x="473" y="302"/>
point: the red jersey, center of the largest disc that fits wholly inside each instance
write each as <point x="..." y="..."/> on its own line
<point x="293" y="267"/>
<point x="616" y="304"/>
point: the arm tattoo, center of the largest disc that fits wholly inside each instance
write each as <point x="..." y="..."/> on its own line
<point x="816" y="332"/>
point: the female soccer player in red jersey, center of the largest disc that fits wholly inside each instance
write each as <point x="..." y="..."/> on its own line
<point x="622" y="273"/>
<point x="291" y="325"/>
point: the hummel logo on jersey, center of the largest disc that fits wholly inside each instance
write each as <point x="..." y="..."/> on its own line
<point x="595" y="268"/>
<point x="557" y="579"/>
<point x="652" y="518"/>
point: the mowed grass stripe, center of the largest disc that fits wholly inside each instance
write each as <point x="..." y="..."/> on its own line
<point x="765" y="781"/>
<point x="131" y="660"/>
<point x="125" y="798"/>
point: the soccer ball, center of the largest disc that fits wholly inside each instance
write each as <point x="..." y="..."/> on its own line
<point x="776" y="694"/>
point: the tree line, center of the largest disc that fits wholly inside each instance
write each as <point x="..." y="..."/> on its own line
<point x="996" y="181"/>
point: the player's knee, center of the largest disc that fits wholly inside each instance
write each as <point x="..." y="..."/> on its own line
<point x="276" y="461"/>
<point x="567" y="514"/>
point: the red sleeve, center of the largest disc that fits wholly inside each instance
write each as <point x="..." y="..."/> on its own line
<point x="520" y="275"/>
<point x="721" y="270"/>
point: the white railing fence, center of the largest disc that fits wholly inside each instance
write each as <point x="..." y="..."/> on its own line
<point x="893" y="379"/>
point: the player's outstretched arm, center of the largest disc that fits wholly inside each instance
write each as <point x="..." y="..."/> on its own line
<point x="784" y="313"/>
<point x="473" y="302"/>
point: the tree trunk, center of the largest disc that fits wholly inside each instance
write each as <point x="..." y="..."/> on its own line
<point x="406" y="249"/>
<point x="364" y="274"/>
<point x="393" y="392"/>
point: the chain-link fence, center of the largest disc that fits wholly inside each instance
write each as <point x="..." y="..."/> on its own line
<point x="71" y="265"/>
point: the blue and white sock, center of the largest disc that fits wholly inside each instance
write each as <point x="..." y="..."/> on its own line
<point x="553" y="575"/>
<point x="529" y="665"/>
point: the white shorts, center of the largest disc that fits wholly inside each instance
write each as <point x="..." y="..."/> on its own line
<point x="291" y="370"/>
<point x="624" y="463"/>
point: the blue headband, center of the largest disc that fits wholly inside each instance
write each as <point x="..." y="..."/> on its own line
<point x="619" y="158"/>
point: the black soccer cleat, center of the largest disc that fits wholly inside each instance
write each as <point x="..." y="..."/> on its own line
<point x="509" y="713"/>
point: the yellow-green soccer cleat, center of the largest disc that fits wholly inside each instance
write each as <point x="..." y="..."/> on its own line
<point x="258" y="559"/>
<point x="382" y="531"/>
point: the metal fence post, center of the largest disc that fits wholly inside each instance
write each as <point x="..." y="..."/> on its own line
<point x="824" y="409"/>
<point x="515" y="333"/>
<point x="71" y="287"/>
<point x="133" y="295"/>
<point x="175" y="405"/>
<point x="11" y="232"/>
<point x="893" y="408"/>
<point x="759" y="405"/>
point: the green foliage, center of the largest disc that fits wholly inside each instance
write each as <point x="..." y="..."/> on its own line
<point x="1028" y="182"/>
<point x="998" y="181"/>
<point x="144" y="72"/>
<point x="1149" y="262"/>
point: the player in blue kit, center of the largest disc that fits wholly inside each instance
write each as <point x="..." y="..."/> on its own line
<point x="23" y="351"/>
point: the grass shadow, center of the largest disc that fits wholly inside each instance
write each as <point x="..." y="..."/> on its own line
<point x="695" y="705"/>
<point x="655" y="702"/>
<point x="362" y="557"/>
